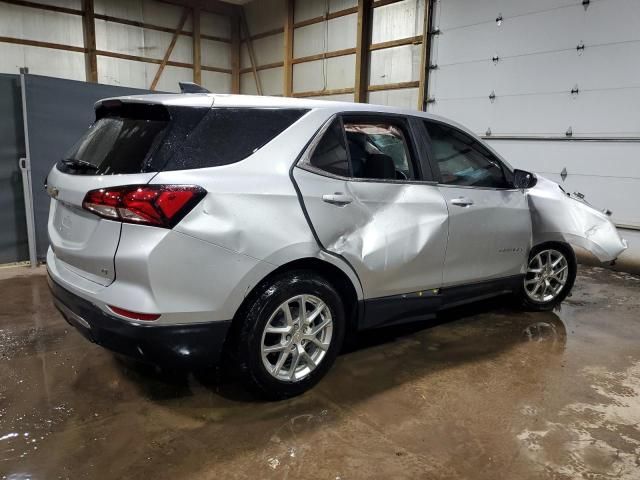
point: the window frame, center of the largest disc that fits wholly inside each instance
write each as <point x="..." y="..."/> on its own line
<point x="412" y="136"/>
<point x="506" y="170"/>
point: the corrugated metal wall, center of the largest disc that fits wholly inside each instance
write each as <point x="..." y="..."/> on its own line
<point x="531" y="55"/>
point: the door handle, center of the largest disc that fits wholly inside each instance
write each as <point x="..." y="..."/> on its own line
<point x="337" y="198"/>
<point x="462" y="202"/>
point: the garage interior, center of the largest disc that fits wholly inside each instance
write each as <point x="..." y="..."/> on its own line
<point x="484" y="392"/>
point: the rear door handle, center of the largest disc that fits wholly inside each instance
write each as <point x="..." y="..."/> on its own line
<point x="462" y="202"/>
<point x="337" y="198"/>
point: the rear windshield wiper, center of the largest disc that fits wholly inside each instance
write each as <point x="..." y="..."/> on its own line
<point x="79" y="164"/>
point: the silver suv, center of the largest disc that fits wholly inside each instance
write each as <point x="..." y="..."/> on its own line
<point x="190" y="225"/>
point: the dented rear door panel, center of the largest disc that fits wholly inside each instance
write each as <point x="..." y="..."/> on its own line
<point x="393" y="234"/>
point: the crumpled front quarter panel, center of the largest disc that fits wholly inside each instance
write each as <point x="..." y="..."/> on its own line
<point x="558" y="217"/>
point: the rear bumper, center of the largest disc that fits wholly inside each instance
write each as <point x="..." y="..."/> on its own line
<point x="196" y="344"/>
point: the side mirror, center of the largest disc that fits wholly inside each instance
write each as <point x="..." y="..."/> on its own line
<point x="523" y="179"/>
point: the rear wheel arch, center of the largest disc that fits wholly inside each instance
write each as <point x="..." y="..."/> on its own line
<point x="330" y="272"/>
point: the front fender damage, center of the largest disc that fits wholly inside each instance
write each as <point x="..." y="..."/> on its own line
<point x="556" y="216"/>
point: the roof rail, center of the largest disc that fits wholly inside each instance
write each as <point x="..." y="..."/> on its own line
<point x="190" y="87"/>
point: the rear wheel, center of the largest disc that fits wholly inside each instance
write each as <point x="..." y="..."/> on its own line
<point x="290" y="335"/>
<point x="551" y="273"/>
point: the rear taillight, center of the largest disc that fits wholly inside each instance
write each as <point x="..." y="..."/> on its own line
<point x="157" y="205"/>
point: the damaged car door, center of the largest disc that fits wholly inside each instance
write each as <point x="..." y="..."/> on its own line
<point x="368" y="201"/>
<point x="489" y="220"/>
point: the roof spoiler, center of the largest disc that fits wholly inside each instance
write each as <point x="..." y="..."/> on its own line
<point x="190" y="87"/>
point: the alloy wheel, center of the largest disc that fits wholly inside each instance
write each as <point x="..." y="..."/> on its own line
<point x="546" y="275"/>
<point x="296" y="338"/>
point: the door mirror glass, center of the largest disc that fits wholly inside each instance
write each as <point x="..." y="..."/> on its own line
<point x="523" y="179"/>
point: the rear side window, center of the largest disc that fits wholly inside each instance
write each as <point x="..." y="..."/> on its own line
<point x="330" y="153"/>
<point x="135" y="138"/>
<point x="228" y="135"/>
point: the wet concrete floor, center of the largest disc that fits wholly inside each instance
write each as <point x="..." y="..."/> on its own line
<point x="486" y="393"/>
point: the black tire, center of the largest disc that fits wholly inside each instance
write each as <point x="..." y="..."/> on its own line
<point x="252" y="321"/>
<point x="529" y="303"/>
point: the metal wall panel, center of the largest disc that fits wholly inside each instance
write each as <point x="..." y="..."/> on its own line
<point x="343" y="97"/>
<point x="306" y="9"/>
<point x="397" y="20"/>
<point x="119" y="38"/>
<point x="327" y="74"/>
<point x="42" y="61"/>
<point x="271" y="80"/>
<point x="216" y="82"/>
<point x="164" y="14"/>
<point x="397" y="64"/>
<point x="215" y="54"/>
<point x="42" y="25"/>
<point x="129" y="9"/>
<point x="58" y="112"/>
<point x="402" y="97"/>
<point x="335" y="34"/>
<point x="212" y="24"/>
<point x="265" y="15"/>
<point x="116" y="71"/>
<point x="266" y="50"/>
<point x="13" y="234"/>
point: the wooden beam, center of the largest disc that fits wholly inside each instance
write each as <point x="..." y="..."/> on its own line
<point x="37" y="43"/>
<point x="197" y="45"/>
<point x="167" y="54"/>
<point x="382" y="3"/>
<point x="393" y="86"/>
<point x="89" y="34"/>
<point x="252" y="57"/>
<point x="425" y="57"/>
<point x="216" y="69"/>
<point x="323" y="93"/>
<point x="214" y="38"/>
<point x="396" y="43"/>
<point x="288" y="49"/>
<point x="365" y="13"/>
<point x="42" y="6"/>
<point x="235" y="52"/>
<point x="267" y="33"/>
<point x="324" y="55"/>
<point x="266" y="66"/>
<point x="329" y="16"/>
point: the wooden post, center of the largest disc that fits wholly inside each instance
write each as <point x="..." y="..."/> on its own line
<point x="252" y="57"/>
<point x="89" y="33"/>
<point x="197" y="46"/>
<point x="365" y="13"/>
<point x="288" y="49"/>
<point x="425" y="61"/>
<point x="235" y="51"/>
<point x="167" y="54"/>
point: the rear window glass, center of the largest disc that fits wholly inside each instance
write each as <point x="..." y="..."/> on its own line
<point x="150" y="138"/>
<point x="114" y="145"/>
<point x="228" y="135"/>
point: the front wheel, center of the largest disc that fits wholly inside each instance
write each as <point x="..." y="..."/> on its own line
<point x="290" y="335"/>
<point x="551" y="273"/>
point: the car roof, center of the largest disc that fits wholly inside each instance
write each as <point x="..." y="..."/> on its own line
<point x="263" y="101"/>
<point x="256" y="101"/>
